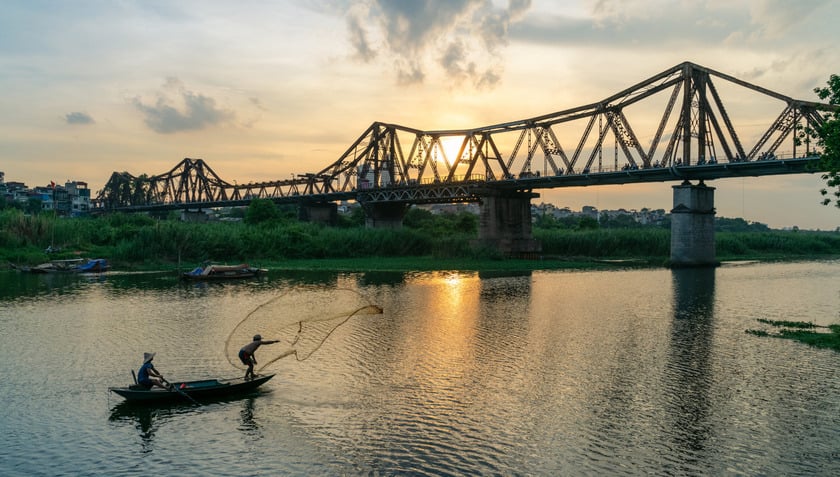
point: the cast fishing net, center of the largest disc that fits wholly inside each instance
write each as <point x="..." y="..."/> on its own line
<point x="302" y="319"/>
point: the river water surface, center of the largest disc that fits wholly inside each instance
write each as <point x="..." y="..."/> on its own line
<point x="623" y="372"/>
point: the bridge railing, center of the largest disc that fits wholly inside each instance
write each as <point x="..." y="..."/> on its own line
<point x="627" y="167"/>
<point x="457" y="178"/>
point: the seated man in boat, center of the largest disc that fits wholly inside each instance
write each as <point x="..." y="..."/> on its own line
<point x="148" y="376"/>
<point x="246" y="354"/>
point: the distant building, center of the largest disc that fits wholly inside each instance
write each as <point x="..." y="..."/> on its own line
<point x="78" y="196"/>
<point x="589" y="211"/>
<point x="367" y="178"/>
<point x="70" y="200"/>
<point x="5" y="196"/>
<point x="13" y="186"/>
<point x="46" y="195"/>
<point x="346" y="207"/>
<point x="17" y="192"/>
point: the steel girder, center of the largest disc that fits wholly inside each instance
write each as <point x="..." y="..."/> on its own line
<point x="194" y="182"/>
<point x="701" y="132"/>
<point x="441" y="165"/>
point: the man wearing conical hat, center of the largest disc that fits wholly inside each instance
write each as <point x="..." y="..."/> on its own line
<point x="148" y="376"/>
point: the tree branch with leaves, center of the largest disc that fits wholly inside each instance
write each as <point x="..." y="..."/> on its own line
<point x="828" y="138"/>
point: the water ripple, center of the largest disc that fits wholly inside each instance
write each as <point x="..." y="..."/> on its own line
<point x="561" y="373"/>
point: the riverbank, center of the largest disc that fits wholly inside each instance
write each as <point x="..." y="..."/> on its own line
<point x="430" y="263"/>
<point x="424" y="264"/>
<point x="433" y="263"/>
<point x="140" y="243"/>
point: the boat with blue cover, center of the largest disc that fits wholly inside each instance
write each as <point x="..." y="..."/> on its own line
<point x="72" y="265"/>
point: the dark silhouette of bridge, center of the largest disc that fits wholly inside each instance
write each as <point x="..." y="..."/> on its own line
<point x="692" y="137"/>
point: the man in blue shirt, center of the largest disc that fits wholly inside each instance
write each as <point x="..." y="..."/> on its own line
<point x="148" y="376"/>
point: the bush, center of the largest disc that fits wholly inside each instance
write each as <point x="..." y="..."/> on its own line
<point x="138" y="238"/>
<point x="261" y="210"/>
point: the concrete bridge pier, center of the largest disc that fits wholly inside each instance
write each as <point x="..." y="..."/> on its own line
<point x="319" y="212"/>
<point x="194" y="216"/>
<point x="505" y="224"/>
<point x="386" y="215"/>
<point x="693" y="226"/>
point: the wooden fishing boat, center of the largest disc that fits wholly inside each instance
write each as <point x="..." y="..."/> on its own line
<point x="222" y="272"/>
<point x="193" y="391"/>
<point x="73" y="265"/>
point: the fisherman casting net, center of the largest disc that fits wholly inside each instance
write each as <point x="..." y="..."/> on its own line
<point x="302" y="319"/>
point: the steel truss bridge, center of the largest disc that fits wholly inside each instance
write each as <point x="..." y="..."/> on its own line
<point x="680" y="113"/>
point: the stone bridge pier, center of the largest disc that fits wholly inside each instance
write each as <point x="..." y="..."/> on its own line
<point x="319" y="212"/>
<point x="693" y="226"/>
<point x="386" y="215"/>
<point x="505" y="224"/>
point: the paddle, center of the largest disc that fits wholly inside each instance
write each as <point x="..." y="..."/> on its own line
<point x="182" y="393"/>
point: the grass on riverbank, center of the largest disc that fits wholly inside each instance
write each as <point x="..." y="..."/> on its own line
<point x="803" y="332"/>
<point x="445" y="242"/>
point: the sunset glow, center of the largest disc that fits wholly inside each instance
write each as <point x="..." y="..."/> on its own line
<point x="264" y="91"/>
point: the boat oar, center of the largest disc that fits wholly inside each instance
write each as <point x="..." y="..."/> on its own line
<point x="180" y="391"/>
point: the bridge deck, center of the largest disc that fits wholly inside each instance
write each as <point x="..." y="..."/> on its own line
<point x="472" y="190"/>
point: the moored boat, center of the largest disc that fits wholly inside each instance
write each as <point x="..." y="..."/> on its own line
<point x="216" y="272"/>
<point x="73" y="265"/>
<point x="93" y="265"/>
<point x="190" y="390"/>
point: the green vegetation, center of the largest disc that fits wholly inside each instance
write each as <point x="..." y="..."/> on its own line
<point x="803" y="332"/>
<point x="638" y="243"/>
<point x="828" y="138"/>
<point x="273" y="237"/>
<point x="776" y="245"/>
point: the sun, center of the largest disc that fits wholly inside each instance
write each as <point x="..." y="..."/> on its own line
<point x="451" y="146"/>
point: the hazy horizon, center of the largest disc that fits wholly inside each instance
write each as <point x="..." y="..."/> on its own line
<point x="263" y="91"/>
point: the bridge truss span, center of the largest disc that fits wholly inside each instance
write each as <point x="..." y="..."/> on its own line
<point x="192" y="183"/>
<point x="676" y="118"/>
<point x="685" y="122"/>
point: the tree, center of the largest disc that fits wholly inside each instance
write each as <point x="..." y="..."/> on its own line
<point x="356" y="218"/>
<point x="587" y="223"/>
<point x="417" y="218"/>
<point x="828" y="138"/>
<point x="261" y="210"/>
<point x="33" y="205"/>
<point x="141" y="193"/>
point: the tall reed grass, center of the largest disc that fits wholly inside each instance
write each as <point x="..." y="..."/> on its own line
<point x="138" y="239"/>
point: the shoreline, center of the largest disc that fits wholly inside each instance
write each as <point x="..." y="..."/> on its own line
<point x="431" y="264"/>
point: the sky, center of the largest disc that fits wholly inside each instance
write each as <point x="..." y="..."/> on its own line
<point x="264" y="90"/>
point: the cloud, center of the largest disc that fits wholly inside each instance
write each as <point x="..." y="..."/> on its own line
<point x="774" y="18"/>
<point x="257" y="103"/>
<point x="454" y="60"/>
<point x="359" y="40"/>
<point x="494" y="25"/>
<point x="456" y="35"/>
<point x="633" y="24"/>
<point x="197" y="111"/>
<point x="78" y="118"/>
<point x="756" y="25"/>
<point x="409" y="72"/>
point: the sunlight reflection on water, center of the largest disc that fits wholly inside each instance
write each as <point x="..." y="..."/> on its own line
<point x="544" y="373"/>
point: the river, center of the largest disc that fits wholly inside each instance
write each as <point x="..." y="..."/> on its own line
<point x="622" y="372"/>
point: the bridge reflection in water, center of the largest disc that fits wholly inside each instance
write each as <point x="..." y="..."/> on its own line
<point x="690" y="359"/>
